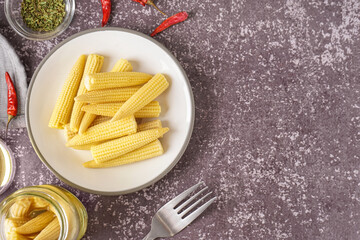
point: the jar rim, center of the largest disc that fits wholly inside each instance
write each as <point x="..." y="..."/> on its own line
<point x="9" y="163"/>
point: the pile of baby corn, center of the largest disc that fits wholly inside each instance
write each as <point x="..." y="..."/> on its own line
<point x="31" y="218"/>
<point x="99" y="112"/>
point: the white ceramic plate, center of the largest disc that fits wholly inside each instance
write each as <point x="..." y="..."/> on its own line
<point x="146" y="55"/>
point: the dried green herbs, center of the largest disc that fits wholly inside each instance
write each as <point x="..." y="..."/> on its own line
<point x="42" y="15"/>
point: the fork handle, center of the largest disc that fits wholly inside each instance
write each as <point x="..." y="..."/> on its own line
<point x="149" y="237"/>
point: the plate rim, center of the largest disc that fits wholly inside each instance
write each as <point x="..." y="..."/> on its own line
<point x="68" y="182"/>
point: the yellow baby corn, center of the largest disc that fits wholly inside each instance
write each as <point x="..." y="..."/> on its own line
<point x="36" y="224"/>
<point x="93" y="65"/>
<point x="153" y="109"/>
<point x="149" y="125"/>
<point x="116" y="148"/>
<point x="32" y="236"/>
<point x="9" y="229"/>
<point x="68" y="133"/>
<point x="64" y="104"/>
<point x="21" y="207"/>
<point x="122" y="65"/>
<point x="150" y="150"/>
<point x="82" y="147"/>
<point x="16" y="222"/>
<point x="105" y="80"/>
<point x="9" y="226"/>
<point x="107" y="95"/>
<point x="105" y="131"/>
<point x="143" y="96"/>
<point x="86" y="121"/>
<point x="15" y="236"/>
<point x="50" y="232"/>
<point x="100" y="119"/>
<point x="38" y="202"/>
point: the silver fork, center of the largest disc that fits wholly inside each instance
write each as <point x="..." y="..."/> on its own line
<point x="169" y="220"/>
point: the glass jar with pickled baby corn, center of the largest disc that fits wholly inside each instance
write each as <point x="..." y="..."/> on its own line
<point x="42" y="212"/>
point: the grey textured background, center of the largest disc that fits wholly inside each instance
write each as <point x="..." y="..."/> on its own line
<point x="276" y="86"/>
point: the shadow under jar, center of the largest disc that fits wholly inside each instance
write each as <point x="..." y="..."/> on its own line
<point x="69" y="211"/>
<point x="16" y="21"/>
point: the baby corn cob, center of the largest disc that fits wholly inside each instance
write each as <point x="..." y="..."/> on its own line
<point x="15" y="236"/>
<point x="105" y="80"/>
<point x="50" y="232"/>
<point x="149" y="125"/>
<point x="9" y="225"/>
<point x="122" y="65"/>
<point x="151" y="110"/>
<point x="17" y="222"/>
<point x="20" y="208"/>
<point x="116" y="148"/>
<point x="143" y="96"/>
<point x="150" y="150"/>
<point x="105" y="131"/>
<point x="93" y="65"/>
<point x="68" y="133"/>
<point x="36" y="224"/>
<point x="64" y="104"/>
<point x="100" y="119"/>
<point x="82" y="147"/>
<point x="86" y="121"/>
<point x="38" y="202"/>
<point x="107" y="95"/>
<point x="9" y="229"/>
<point x="32" y="236"/>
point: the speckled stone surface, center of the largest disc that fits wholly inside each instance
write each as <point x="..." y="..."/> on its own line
<point x="277" y="130"/>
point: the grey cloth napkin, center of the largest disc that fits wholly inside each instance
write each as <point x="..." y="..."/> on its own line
<point x="10" y="62"/>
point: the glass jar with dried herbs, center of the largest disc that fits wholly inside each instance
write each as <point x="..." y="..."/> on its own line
<point x="43" y="15"/>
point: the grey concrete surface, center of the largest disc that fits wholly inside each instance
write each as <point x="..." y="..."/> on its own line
<point x="277" y="130"/>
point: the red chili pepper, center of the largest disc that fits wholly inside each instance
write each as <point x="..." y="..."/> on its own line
<point x="12" y="100"/>
<point x="106" y="9"/>
<point x="12" y="106"/>
<point x="177" y="18"/>
<point x="149" y="2"/>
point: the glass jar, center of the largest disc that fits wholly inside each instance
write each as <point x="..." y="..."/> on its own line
<point x="71" y="213"/>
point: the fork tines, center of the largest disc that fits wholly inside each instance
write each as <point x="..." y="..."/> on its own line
<point x="179" y="212"/>
<point x="185" y="206"/>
